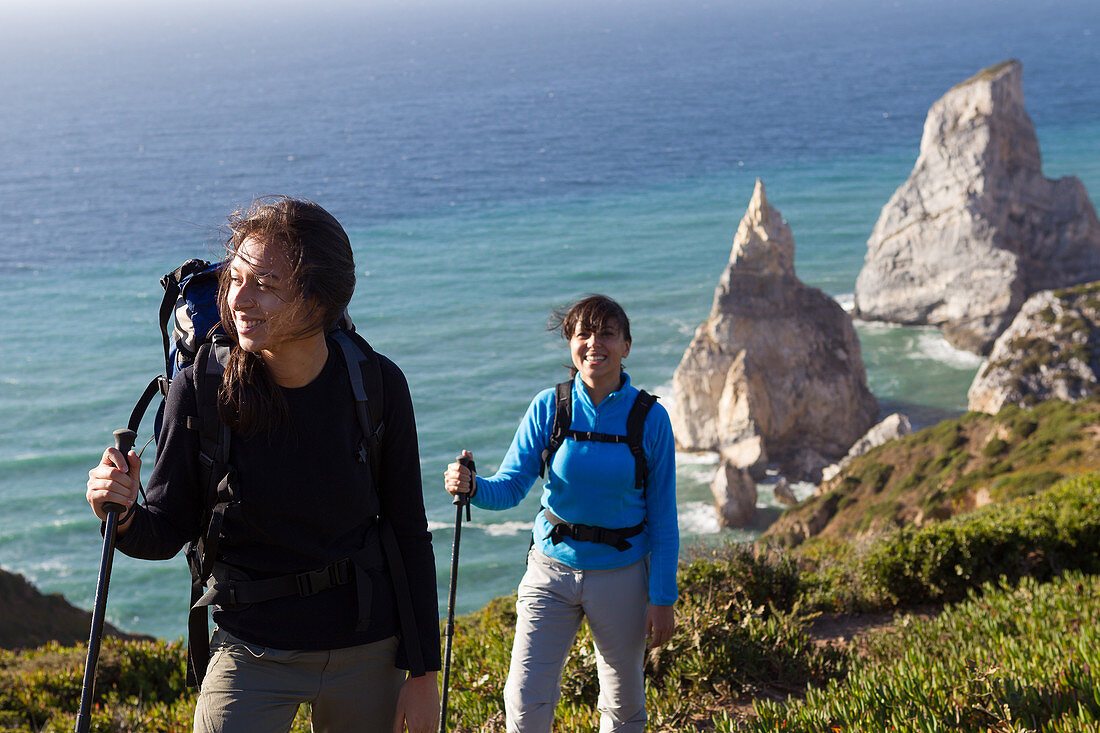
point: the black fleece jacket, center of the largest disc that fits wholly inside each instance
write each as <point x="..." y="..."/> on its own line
<point x="303" y="506"/>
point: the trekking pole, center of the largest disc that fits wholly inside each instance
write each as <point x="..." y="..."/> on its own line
<point x="124" y="441"/>
<point x="460" y="501"/>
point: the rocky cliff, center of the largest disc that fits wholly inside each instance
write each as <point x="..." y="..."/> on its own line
<point x="30" y="619"/>
<point x="1050" y="351"/>
<point x="776" y="366"/>
<point x="977" y="228"/>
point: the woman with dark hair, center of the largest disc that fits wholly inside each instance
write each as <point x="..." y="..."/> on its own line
<point x="605" y="541"/>
<point x="305" y="500"/>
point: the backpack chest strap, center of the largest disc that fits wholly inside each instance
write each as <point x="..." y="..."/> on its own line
<point x="597" y="437"/>
<point x="562" y="428"/>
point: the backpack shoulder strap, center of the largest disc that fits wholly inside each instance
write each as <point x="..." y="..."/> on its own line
<point x="362" y="360"/>
<point x="216" y="476"/>
<point x="359" y="357"/>
<point x="635" y="435"/>
<point x="563" y="422"/>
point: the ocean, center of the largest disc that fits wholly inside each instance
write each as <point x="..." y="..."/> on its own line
<point x="491" y="161"/>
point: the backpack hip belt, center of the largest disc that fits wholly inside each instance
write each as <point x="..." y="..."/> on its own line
<point x="222" y="590"/>
<point x="617" y="538"/>
<point x="230" y="586"/>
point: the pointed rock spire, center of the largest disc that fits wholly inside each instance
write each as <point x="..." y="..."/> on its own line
<point x="763" y="244"/>
<point x="776" y="367"/>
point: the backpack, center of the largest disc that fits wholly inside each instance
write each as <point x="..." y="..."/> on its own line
<point x="189" y="317"/>
<point x="635" y="434"/>
<point x="191" y="334"/>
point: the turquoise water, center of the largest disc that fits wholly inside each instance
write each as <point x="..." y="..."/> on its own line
<point x="489" y="166"/>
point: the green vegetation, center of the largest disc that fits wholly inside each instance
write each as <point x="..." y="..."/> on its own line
<point x="950" y="468"/>
<point x="1011" y="591"/>
<point x="1020" y="658"/>
<point x="1036" y="536"/>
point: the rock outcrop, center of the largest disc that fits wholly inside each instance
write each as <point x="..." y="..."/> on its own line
<point x="29" y="619"/>
<point x="734" y="494"/>
<point x="977" y="228"/>
<point x="775" y="373"/>
<point x="1050" y="351"/>
<point x="784" y="494"/>
<point x="892" y="427"/>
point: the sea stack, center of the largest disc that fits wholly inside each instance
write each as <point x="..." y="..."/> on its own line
<point x="775" y="373"/>
<point x="977" y="228"/>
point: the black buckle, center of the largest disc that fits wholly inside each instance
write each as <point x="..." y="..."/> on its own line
<point x="305" y="581"/>
<point x="316" y="581"/>
<point x="583" y="532"/>
<point x="375" y="438"/>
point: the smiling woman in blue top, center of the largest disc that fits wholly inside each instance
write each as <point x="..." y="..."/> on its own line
<point x="606" y="540"/>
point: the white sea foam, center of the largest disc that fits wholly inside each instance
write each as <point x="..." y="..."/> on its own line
<point x="696" y="467"/>
<point x="664" y="391"/>
<point x="505" y="529"/>
<point x="708" y="458"/>
<point x="932" y="345"/>
<point x="495" y="529"/>
<point x="847" y="301"/>
<point x="697" y="517"/>
<point x="51" y="567"/>
<point x="803" y="490"/>
<point x="877" y="326"/>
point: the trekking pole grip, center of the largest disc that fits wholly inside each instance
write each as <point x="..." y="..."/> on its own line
<point x="465" y="498"/>
<point x="124" y="441"/>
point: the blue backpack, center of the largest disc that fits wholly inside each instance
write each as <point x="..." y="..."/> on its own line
<point x="188" y="318"/>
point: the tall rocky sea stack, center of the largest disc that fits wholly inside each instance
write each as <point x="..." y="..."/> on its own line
<point x="775" y="373"/>
<point x="977" y="228"/>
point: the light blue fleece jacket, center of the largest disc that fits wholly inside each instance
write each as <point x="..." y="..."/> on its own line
<point x="590" y="482"/>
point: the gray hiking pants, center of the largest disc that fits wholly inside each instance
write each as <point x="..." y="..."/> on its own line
<point x="253" y="689"/>
<point x="553" y="598"/>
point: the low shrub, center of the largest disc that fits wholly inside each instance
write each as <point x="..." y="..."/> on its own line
<point x="1036" y="536"/>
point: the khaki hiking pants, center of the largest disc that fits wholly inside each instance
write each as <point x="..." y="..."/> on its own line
<point x="552" y="600"/>
<point x="253" y="689"/>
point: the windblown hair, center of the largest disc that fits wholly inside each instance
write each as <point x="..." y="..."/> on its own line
<point x="321" y="284"/>
<point x="592" y="313"/>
